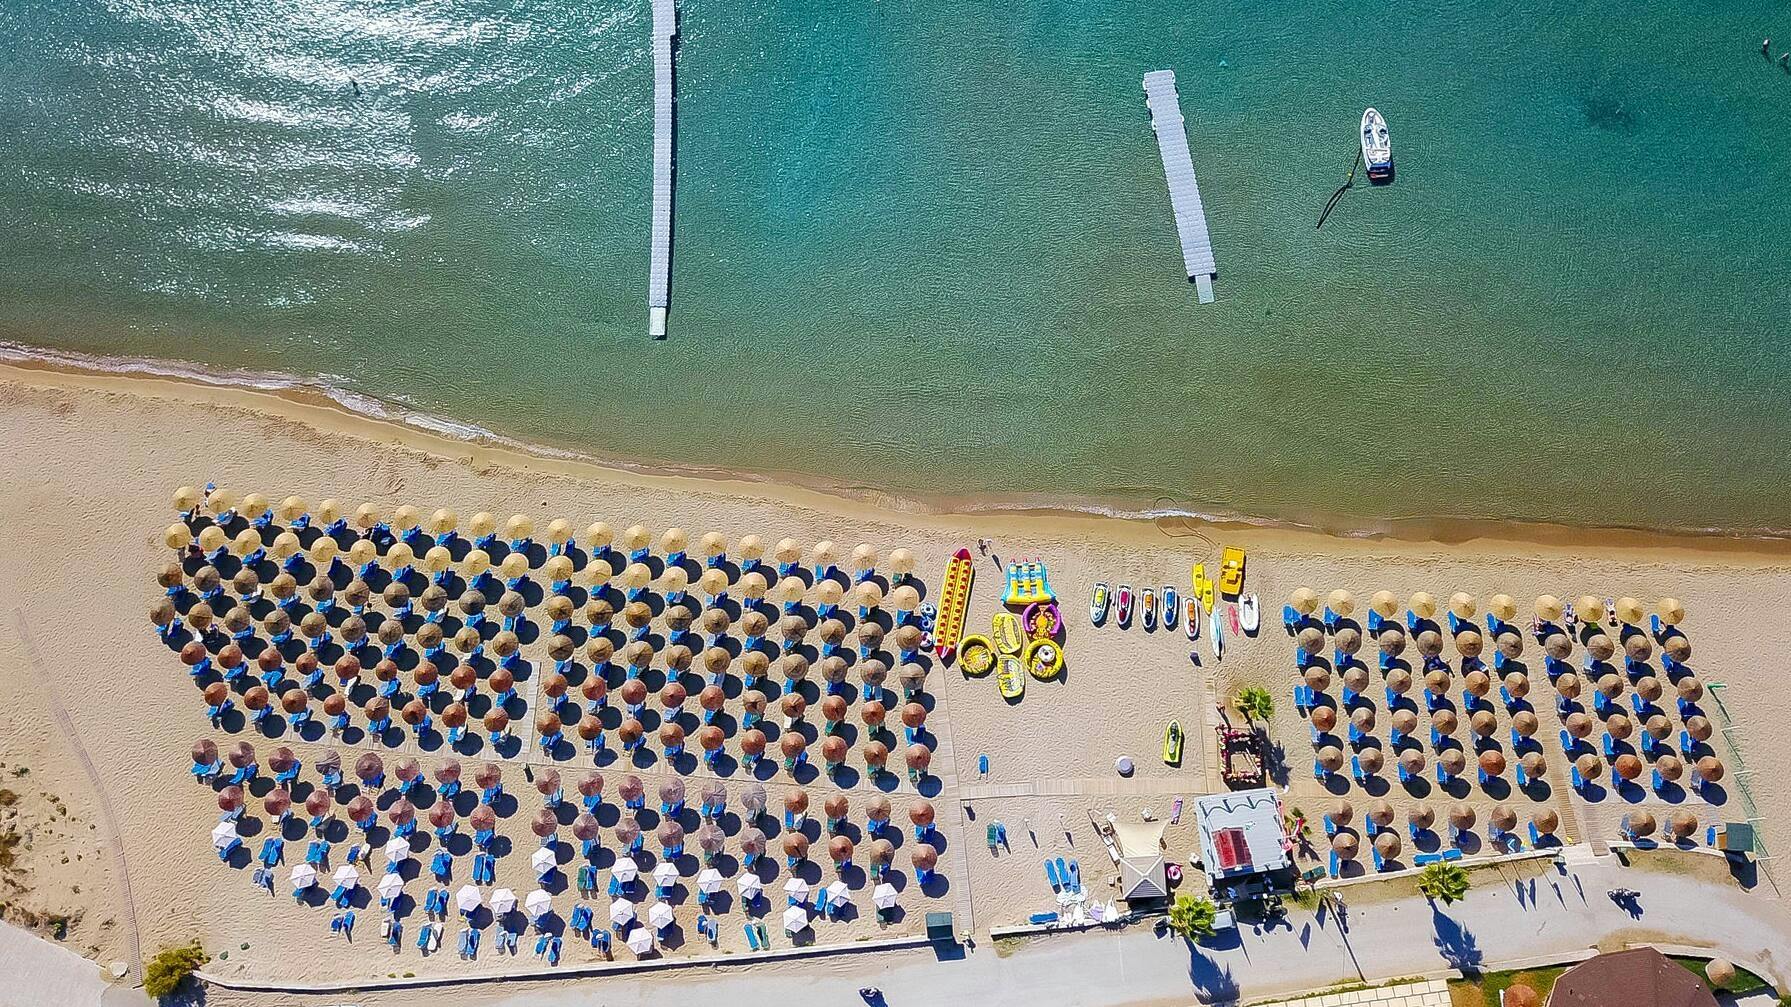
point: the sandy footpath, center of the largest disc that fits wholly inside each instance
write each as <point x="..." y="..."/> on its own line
<point x="84" y="491"/>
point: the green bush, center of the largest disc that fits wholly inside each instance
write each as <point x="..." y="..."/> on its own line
<point x="1443" y="882"/>
<point x="1255" y="703"/>
<point x="171" y="967"/>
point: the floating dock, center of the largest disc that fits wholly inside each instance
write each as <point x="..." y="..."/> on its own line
<point x="659" y="271"/>
<point x="1178" y="169"/>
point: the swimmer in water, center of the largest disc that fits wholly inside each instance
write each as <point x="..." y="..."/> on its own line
<point x="1766" y="48"/>
<point x="357" y="84"/>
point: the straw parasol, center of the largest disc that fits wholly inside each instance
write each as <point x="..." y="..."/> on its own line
<point x="1637" y="647"/>
<point x="1589" y="765"/>
<point x="1669" y="767"/>
<point x="924" y="857"/>
<point x="1683" y="824"/>
<point x="1517" y="684"/>
<point x="1304" y="600"/>
<point x="1331" y="758"/>
<point x="1311" y="640"/>
<point x="1349" y="640"/>
<point x="1698" y="727"/>
<point x="1477" y="684"/>
<point x="1525" y="723"/>
<point x="1649" y="688"/>
<point x="1423" y="605"/>
<point x="1483" y="723"/>
<point x="825" y="553"/>
<point x="1423" y="816"/>
<point x="1630" y="611"/>
<point x="1534" y="764"/>
<point x="1318" y="678"/>
<point x="1412" y="760"/>
<point x="1453" y="761"/>
<point x="1503" y="607"/>
<point x="1461" y="815"/>
<point x="1639" y="823"/>
<point x="1690" y="689"/>
<point x="1384" y="604"/>
<point x="1671" y="611"/>
<point x="1710" y="768"/>
<point x="1405" y="720"/>
<point x="1568" y="685"/>
<point x="1430" y="643"/>
<point x="1363" y="718"/>
<point x="1549" y="608"/>
<point x="1469" y="643"/>
<point x="1462" y="604"/>
<point x="1392" y="641"/>
<point x="1380" y="813"/>
<point x="1589" y="608"/>
<point x="1345" y="845"/>
<point x="1627" y="766"/>
<point x="1444" y="721"/>
<point x="1399" y="681"/>
<point x="1659" y="727"/>
<point x="918" y="757"/>
<point x="1341" y="602"/>
<point x="1492" y="762"/>
<point x="1387" y="843"/>
<point x="1372" y="760"/>
<point x="1324" y="718"/>
<point x="1342" y="813"/>
<point x="795" y="845"/>
<point x="1600" y="647"/>
<point x="1619" y="726"/>
<point x="230" y="798"/>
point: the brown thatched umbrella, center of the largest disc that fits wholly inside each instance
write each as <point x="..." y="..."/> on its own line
<point x="752" y="742"/>
<point x="1600" y="647"/>
<point x="1430" y="643"/>
<point x="1342" y="813"/>
<point x="1619" y="726"/>
<point x="1568" y="685"/>
<point x="1534" y="765"/>
<point x="1710" y="768"/>
<point x="1412" y="760"/>
<point x="1461" y="815"/>
<point x="1492" y="762"/>
<point x="1546" y="820"/>
<point x="1669" y="767"/>
<point x="1525" y="723"/>
<point x="1356" y="678"/>
<point x="1318" y="678"/>
<point x="1304" y="600"/>
<point x="1683" y="824"/>
<point x="1483" y="723"/>
<point x="1324" y="718"/>
<point x="1380" y="813"/>
<point x="1348" y="640"/>
<point x="1476" y="684"/>
<point x="1331" y="758"/>
<point x="1372" y="761"/>
<point x="1690" y="689"/>
<point x="1405" y="720"/>
<point x="1678" y="648"/>
<point x="1387" y="842"/>
<point x="1579" y="725"/>
<point x="1392" y="641"/>
<point x="1639" y="823"/>
<point x="1444" y="721"/>
<point x="1659" y="727"/>
<point x="1384" y="603"/>
<point x="1469" y="643"/>
<point x="1589" y="765"/>
<point x="1698" y="727"/>
<point x="1628" y="766"/>
<point x="1453" y="761"/>
<point x="1311" y="640"/>
<point x="1399" y="681"/>
<point x="1345" y="845"/>
<point x="1423" y="816"/>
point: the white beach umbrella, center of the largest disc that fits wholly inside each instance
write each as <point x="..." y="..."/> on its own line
<point x="543" y="860"/>
<point x="625" y="870"/>
<point x="640" y="941"/>
<point x="223" y="834"/>
<point x="621" y="912"/>
<point x="797" y="889"/>
<point x="398" y="850"/>
<point x="749" y="885"/>
<point x="303" y="877"/>
<point x="884" y="896"/>
<point x="502" y="901"/>
<point x="537" y="904"/>
<point x="795" y="920"/>
<point x="709" y="881"/>
<point x="665" y="874"/>
<point x="660" y="916"/>
<point x="467" y="899"/>
<point x="838" y="894"/>
<point x="347" y="875"/>
<point x="390" y="886"/>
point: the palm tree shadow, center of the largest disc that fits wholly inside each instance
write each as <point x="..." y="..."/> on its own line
<point x="1457" y="945"/>
<point x="1212" y="980"/>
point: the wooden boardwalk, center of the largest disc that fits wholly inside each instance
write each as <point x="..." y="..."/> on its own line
<point x="659" y="270"/>
<point x="1178" y="169"/>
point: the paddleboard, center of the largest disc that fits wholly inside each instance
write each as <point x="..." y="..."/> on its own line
<point x="1010" y="678"/>
<point x="1217" y="639"/>
<point x="1191" y="619"/>
<point x="976" y="656"/>
<point x="1006" y="634"/>
<point x="954" y="602"/>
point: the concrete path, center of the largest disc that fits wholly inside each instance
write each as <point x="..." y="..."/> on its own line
<point x="39" y="973"/>
<point x="1500" y="921"/>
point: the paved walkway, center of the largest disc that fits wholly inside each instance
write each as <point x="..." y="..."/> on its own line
<point x="1432" y="993"/>
<point x="38" y="973"/>
<point x="1501" y="921"/>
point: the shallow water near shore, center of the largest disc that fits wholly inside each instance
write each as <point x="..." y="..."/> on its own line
<point x="925" y="248"/>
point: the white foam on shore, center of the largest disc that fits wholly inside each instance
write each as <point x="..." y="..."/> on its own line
<point x="362" y="404"/>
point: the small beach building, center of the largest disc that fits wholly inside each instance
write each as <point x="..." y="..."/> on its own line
<point x="1243" y="847"/>
<point x="1640" y="977"/>
<point x="1143" y="876"/>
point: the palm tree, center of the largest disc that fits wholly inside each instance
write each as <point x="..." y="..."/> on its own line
<point x="1192" y="916"/>
<point x="1443" y="882"/>
<point x="1255" y="703"/>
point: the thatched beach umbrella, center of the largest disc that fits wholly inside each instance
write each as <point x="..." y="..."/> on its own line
<point x="1387" y="843"/>
<point x="1627" y="766"/>
<point x="1483" y="723"/>
<point x="1619" y="726"/>
<point x="1492" y="762"/>
<point x="1371" y="760"/>
<point x="1469" y="643"/>
<point x="1669" y="767"/>
<point x="1444" y="721"/>
<point x="1698" y="727"/>
<point x="1671" y="612"/>
<point x="1534" y="764"/>
<point x="1324" y="718"/>
<point x="1453" y="761"/>
<point x="1384" y="604"/>
<point x="1341" y="602"/>
<point x="1710" y="768"/>
<point x="1430" y="643"/>
<point x="1331" y="758"/>
<point x="1639" y="823"/>
<point x="1345" y="845"/>
<point x="1690" y="689"/>
<point x="1423" y="605"/>
<point x="1304" y="600"/>
<point x="1525" y="723"/>
<point x="1317" y="677"/>
<point x="1392" y="641"/>
<point x="1637" y="647"/>
<point x="1476" y="684"/>
<point x="1311" y="640"/>
<point x="1423" y="816"/>
<point x="1405" y="720"/>
<point x="1462" y="605"/>
<point x="1412" y="761"/>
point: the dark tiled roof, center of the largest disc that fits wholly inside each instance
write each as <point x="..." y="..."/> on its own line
<point x="1642" y="977"/>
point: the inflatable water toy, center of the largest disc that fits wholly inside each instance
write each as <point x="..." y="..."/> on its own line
<point x="1043" y="659"/>
<point x="1010" y="678"/>
<point x="1217" y="639"/>
<point x="954" y="602"/>
<point x="1097" y="607"/>
<point x="1231" y="620"/>
<point x="1005" y="631"/>
<point x="929" y="616"/>
<point x="1203" y="588"/>
<point x="1027" y="584"/>
<point x="1191" y="618"/>
<point x="1149" y="615"/>
<point x="1231" y="571"/>
<point x="1125" y="605"/>
<point x="1171" y="607"/>
<point x="1172" y="744"/>
<point x="1250" y="615"/>
<point x="1042" y="620"/>
<point x="976" y="656"/>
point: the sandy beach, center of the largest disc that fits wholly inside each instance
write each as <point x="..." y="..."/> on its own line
<point x="85" y="487"/>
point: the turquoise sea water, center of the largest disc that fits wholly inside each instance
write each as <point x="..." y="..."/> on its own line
<point x="926" y="247"/>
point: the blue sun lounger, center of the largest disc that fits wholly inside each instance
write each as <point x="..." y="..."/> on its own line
<point x="1075" y="875"/>
<point x="273" y="851"/>
<point x="752" y="936"/>
<point x="229" y="849"/>
<point x="1063" y="873"/>
<point x="423" y="937"/>
<point x="1333" y="865"/>
<point x="1051" y="875"/>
